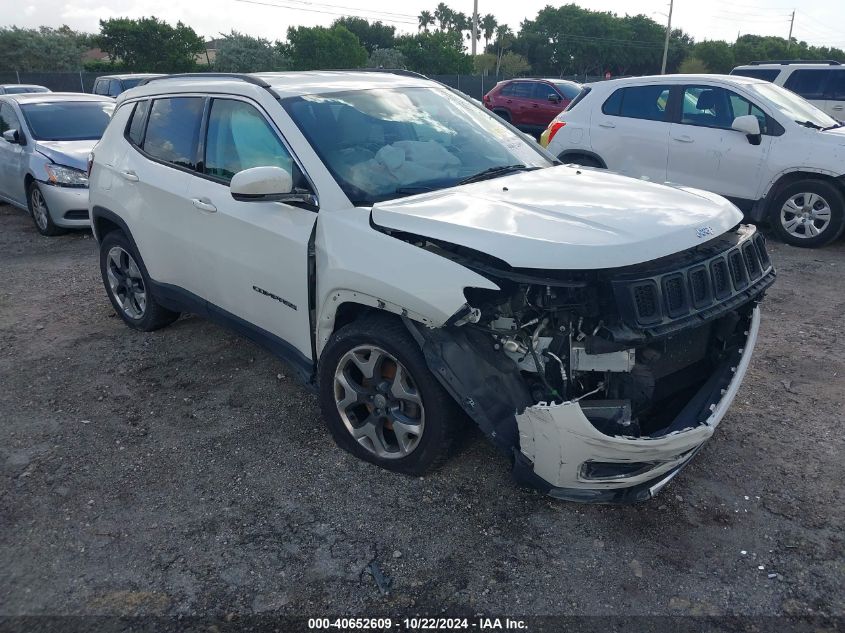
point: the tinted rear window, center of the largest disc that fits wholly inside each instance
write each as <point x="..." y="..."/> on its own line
<point x="570" y="91"/>
<point x="131" y="83"/>
<point x="584" y="92"/>
<point x="808" y="82"/>
<point x="67" y="121"/>
<point x="173" y="130"/>
<point x="136" y="123"/>
<point x="639" y="102"/>
<point x="769" y="74"/>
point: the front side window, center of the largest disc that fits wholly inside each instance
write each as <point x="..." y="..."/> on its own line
<point x="807" y="82"/>
<point x="386" y="143"/>
<point x="639" y="102"/>
<point x="67" y="120"/>
<point x="101" y="87"/>
<point x="173" y="130"/>
<point x="114" y="88"/>
<point x="836" y="86"/>
<point x="568" y="90"/>
<point x="543" y="91"/>
<point x="239" y="138"/>
<point x="712" y="106"/>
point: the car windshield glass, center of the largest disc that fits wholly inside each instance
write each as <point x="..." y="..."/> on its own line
<point x="16" y="90"/>
<point x="67" y="121"/>
<point x="383" y="144"/>
<point x="570" y="91"/>
<point x="791" y="105"/>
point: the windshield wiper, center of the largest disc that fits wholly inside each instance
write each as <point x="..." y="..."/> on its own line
<point x="833" y="127"/>
<point x="494" y="172"/>
<point x="810" y="124"/>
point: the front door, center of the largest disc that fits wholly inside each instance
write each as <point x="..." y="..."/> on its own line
<point x="12" y="157"/>
<point x="704" y="151"/>
<point x="258" y="250"/>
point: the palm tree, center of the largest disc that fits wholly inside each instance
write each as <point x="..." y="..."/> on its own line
<point x="504" y="38"/>
<point x="459" y="22"/>
<point x="488" y="27"/>
<point x="425" y="19"/>
<point x="443" y="15"/>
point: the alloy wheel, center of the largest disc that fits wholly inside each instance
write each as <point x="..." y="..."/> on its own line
<point x="805" y="215"/>
<point x="126" y="282"/>
<point x="379" y="402"/>
<point x="39" y="208"/>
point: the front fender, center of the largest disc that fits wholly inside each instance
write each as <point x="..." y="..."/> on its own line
<point x="356" y="263"/>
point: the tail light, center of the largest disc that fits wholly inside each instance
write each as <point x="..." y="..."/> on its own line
<point x="554" y="127"/>
<point x="90" y="162"/>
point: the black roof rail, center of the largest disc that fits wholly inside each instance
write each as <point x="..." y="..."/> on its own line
<point x="787" y="62"/>
<point x="239" y="76"/>
<point x="391" y="71"/>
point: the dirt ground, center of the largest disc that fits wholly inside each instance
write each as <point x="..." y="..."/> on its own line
<point x="185" y="472"/>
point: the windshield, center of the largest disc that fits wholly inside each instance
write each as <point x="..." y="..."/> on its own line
<point x="796" y="108"/>
<point x="67" y="120"/>
<point x="18" y="90"/>
<point x="383" y="144"/>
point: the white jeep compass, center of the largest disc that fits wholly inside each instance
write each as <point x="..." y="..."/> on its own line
<point x="420" y="262"/>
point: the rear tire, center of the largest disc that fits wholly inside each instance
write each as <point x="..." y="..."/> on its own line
<point x="504" y="114"/>
<point x="381" y="402"/>
<point x="40" y="212"/>
<point x="128" y="285"/>
<point x="809" y="213"/>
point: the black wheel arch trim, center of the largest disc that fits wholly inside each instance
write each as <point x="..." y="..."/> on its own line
<point x="582" y="152"/>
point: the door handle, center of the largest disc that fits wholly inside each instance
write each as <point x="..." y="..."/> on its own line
<point x="683" y="139"/>
<point x="535" y="105"/>
<point x="129" y="175"/>
<point x="838" y="107"/>
<point x="204" y="204"/>
<point x="606" y="124"/>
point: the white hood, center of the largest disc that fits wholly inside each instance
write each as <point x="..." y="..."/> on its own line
<point x="564" y="218"/>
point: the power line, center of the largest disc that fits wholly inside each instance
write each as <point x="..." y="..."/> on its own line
<point x="339" y="13"/>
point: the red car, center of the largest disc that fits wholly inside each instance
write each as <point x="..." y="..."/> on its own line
<point x="531" y="104"/>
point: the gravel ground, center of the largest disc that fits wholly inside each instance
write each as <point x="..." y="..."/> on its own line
<point x="185" y="472"/>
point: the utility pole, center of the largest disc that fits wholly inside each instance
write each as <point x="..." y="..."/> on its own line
<point x="791" y="22"/>
<point x="474" y="25"/>
<point x="666" y="43"/>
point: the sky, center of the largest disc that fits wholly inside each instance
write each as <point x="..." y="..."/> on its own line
<point x="818" y="22"/>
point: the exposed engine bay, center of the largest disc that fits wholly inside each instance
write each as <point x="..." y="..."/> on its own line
<point x="644" y="351"/>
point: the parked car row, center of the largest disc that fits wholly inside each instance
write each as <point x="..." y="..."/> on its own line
<point x="776" y="156"/>
<point x="419" y="261"/>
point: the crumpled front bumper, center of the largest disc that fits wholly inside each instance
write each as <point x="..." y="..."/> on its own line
<point x="559" y="445"/>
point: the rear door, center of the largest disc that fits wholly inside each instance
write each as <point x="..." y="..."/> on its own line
<point x="257" y="252"/>
<point x="153" y="178"/>
<point x="704" y="151"/>
<point x="630" y="131"/>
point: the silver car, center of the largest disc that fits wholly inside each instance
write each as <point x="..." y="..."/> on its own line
<point x="44" y="155"/>
<point x="14" y="89"/>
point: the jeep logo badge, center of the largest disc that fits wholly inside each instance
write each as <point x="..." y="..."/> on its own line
<point x="704" y="231"/>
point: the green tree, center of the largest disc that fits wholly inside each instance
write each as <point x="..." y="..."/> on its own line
<point x="42" y="49"/>
<point x="240" y="53"/>
<point x="371" y="35"/>
<point x="386" y="58"/>
<point x="318" y="47"/>
<point x="513" y="64"/>
<point x="488" y="28"/>
<point x="693" y="65"/>
<point x="438" y="53"/>
<point x="443" y="14"/>
<point x="716" y="55"/>
<point x="150" y="44"/>
<point x="485" y="63"/>
<point x="504" y="40"/>
<point x="425" y="20"/>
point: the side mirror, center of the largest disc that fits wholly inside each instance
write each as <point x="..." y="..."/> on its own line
<point x="268" y="184"/>
<point x="13" y="137"/>
<point x="261" y="183"/>
<point x="748" y="125"/>
<point x="554" y="98"/>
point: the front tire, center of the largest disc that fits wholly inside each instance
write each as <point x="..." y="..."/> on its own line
<point x="809" y="213"/>
<point x="381" y="402"/>
<point x="128" y="285"/>
<point x="581" y="159"/>
<point x="40" y="212"/>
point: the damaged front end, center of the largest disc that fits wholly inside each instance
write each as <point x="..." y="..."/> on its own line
<point x="602" y="384"/>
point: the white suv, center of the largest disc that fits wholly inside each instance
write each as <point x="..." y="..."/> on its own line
<point x="773" y="154"/>
<point x="820" y="83"/>
<point x="419" y="262"/>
